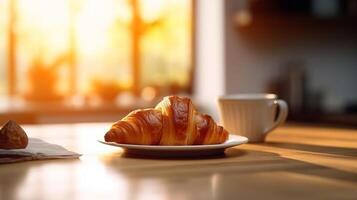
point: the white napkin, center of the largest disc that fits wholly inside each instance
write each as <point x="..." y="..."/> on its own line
<point x="36" y="149"/>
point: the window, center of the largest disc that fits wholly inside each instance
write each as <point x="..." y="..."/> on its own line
<point x="54" y="49"/>
<point x="3" y="47"/>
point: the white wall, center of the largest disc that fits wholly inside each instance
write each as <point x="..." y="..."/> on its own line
<point x="209" y="79"/>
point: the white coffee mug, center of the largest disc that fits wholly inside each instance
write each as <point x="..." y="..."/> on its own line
<point x="252" y="115"/>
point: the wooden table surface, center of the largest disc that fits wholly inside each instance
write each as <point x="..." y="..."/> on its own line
<point x="296" y="162"/>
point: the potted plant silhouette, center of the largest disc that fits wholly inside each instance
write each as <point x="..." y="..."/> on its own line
<point x="107" y="90"/>
<point x="43" y="80"/>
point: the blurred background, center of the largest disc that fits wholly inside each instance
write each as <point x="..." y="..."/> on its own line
<point x="86" y="61"/>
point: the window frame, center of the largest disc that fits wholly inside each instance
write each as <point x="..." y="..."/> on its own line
<point x="135" y="54"/>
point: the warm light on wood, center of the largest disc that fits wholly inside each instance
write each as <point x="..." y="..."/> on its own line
<point x="297" y="162"/>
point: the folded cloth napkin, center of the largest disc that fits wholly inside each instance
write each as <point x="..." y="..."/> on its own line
<point x="36" y="149"/>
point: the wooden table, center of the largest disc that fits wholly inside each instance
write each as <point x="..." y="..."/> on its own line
<point x="297" y="162"/>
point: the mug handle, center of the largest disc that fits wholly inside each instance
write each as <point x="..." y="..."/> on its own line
<point x="283" y="114"/>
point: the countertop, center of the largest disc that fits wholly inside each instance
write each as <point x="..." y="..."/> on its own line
<point x="295" y="162"/>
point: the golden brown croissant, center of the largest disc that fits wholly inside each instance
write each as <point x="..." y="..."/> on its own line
<point x="174" y="121"/>
<point x="139" y="127"/>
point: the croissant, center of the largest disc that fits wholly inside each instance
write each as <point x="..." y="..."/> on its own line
<point x="174" y="121"/>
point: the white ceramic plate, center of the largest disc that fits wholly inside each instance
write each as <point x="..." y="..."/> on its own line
<point x="186" y="150"/>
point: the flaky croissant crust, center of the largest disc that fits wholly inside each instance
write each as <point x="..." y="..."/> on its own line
<point x="174" y="121"/>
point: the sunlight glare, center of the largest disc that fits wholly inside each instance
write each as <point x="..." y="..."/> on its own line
<point x="90" y="39"/>
<point x="92" y="25"/>
<point x="151" y="9"/>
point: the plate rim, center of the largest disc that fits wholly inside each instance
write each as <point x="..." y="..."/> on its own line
<point x="233" y="140"/>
